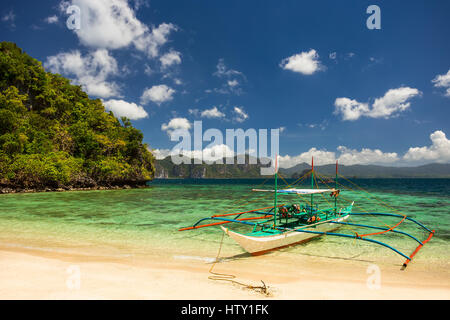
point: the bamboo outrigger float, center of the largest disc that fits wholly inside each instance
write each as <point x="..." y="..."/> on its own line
<point x="282" y="225"/>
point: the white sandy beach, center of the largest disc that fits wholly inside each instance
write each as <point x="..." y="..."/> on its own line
<point x="33" y="274"/>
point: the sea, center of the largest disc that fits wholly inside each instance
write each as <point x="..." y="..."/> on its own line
<point x="144" y="222"/>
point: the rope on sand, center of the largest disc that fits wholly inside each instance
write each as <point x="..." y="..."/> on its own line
<point x="264" y="289"/>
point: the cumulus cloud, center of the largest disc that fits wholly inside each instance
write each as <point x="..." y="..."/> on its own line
<point x="175" y="124"/>
<point x="157" y="94"/>
<point x="350" y="109"/>
<point x="394" y="101"/>
<point x="306" y="63"/>
<point x="321" y="157"/>
<point x="443" y="81"/>
<point x="170" y="58"/>
<point x="365" y="156"/>
<point x="90" y="71"/>
<point x="208" y="154"/>
<point x="112" y="24"/>
<point x="344" y="155"/>
<point x="212" y="113"/>
<point x="391" y="104"/>
<point x="160" y="154"/>
<point x="121" y="108"/>
<point x="439" y="151"/>
<point x="240" y="114"/>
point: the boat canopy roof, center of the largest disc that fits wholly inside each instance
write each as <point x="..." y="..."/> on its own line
<point x="296" y="191"/>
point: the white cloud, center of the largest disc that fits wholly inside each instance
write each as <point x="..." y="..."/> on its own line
<point x="121" y="108"/>
<point x="320" y="125"/>
<point x="321" y="157"/>
<point x="223" y="71"/>
<point x="305" y="62"/>
<point x="112" y="24"/>
<point x="443" y="81"/>
<point x="350" y="109"/>
<point x="391" y="104"/>
<point x="439" y="151"/>
<point x="157" y="94"/>
<point x="394" y="101"/>
<point x="160" y="154"/>
<point x="169" y="59"/>
<point x="343" y="154"/>
<point x="212" y="113"/>
<point x="156" y="39"/>
<point x="209" y="154"/>
<point x="332" y="55"/>
<point x="232" y="83"/>
<point x="365" y="156"/>
<point x="175" y="124"/>
<point x="141" y="3"/>
<point x="51" y="19"/>
<point x="240" y="114"/>
<point x="10" y="18"/>
<point x="91" y="71"/>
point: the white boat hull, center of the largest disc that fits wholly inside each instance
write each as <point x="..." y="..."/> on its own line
<point x="260" y="245"/>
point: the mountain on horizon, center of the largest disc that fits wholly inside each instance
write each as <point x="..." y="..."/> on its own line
<point x="165" y="168"/>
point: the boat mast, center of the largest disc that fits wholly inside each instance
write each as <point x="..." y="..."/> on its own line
<point x="312" y="184"/>
<point x="276" y="191"/>
<point x="335" y="187"/>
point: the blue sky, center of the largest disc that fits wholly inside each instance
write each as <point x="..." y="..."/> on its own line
<point x="337" y="89"/>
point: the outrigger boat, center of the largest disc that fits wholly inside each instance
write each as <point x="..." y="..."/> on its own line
<point x="282" y="225"/>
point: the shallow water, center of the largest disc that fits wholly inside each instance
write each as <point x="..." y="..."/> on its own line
<point x="146" y="221"/>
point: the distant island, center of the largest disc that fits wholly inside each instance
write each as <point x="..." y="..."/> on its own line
<point x="54" y="137"/>
<point x="165" y="169"/>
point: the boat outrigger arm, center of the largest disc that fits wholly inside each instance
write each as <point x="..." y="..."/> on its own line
<point x="358" y="237"/>
<point x="266" y="216"/>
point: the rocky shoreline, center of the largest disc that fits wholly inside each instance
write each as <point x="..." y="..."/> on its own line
<point x="9" y="189"/>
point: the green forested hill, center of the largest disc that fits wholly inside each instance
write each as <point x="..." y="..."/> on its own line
<point x="53" y="136"/>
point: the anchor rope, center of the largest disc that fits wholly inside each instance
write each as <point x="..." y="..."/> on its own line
<point x="216" y="276"/>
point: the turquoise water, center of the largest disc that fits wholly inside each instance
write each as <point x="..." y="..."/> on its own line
<point x="146" y="221"/>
